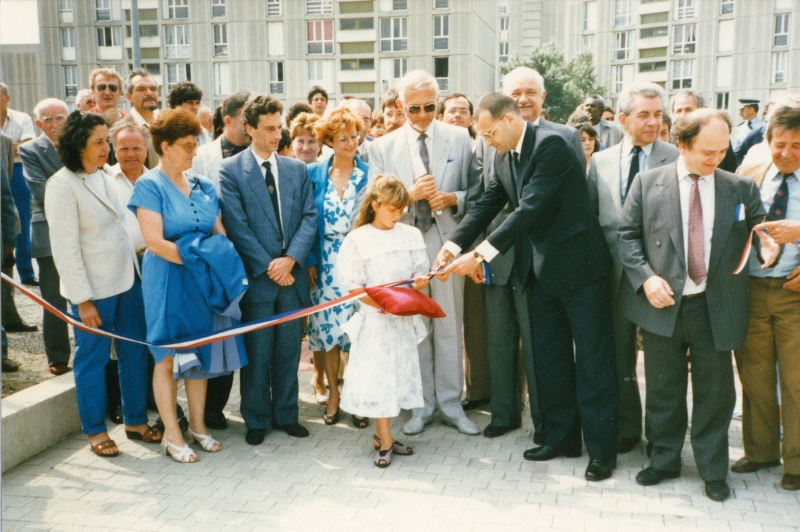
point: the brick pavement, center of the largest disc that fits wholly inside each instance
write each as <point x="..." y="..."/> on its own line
<point x="327" y="482"/>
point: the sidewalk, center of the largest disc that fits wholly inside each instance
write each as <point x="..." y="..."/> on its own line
<point x="327" y="483"/>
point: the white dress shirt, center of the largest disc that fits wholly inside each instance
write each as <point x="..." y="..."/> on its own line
<point x="125" y="191"/>
<point x="273" y="167"/>
<point x="625" y="161"/>
<point x="707" y="195"/>
<point x="19" y="127"/>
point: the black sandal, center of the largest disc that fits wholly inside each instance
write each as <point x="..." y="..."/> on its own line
<point x="360" y="422"/>
<point x="331" y="420"/>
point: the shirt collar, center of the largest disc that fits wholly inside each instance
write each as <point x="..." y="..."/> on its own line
<point x="273" y="160"/>
<point x="684" y="172"/>
<point x="773" y="173"/>
<point x="627" y="146"/>
<point x="413" y="133"/>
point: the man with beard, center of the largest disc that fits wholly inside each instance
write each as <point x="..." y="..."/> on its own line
<point x="141" y="90"/>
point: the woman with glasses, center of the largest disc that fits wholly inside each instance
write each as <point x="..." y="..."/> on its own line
<point x="339" y="184"/>
<point x="192" y="279"/>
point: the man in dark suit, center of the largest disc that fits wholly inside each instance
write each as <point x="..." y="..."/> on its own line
<point x="683" y="231"/>
<point x="269" y="212"/>
<point x="567" y="287"/>
<point x="40" y="161"/>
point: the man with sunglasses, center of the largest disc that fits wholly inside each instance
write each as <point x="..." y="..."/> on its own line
<point x="434" y="161"/>
<point x="106" y="84"/>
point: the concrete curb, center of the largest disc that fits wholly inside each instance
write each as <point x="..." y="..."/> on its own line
<point x="37" y="418"/>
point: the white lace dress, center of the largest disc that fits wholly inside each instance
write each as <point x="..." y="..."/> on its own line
<point x="383" y="374"/>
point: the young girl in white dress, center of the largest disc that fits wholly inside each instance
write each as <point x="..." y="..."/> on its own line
<point x="383" y="374"/>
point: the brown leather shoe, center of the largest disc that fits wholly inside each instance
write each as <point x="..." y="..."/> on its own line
<point x="790" y="482"/>
<point x="59" y="369"/>
<point x="743" y="465"/>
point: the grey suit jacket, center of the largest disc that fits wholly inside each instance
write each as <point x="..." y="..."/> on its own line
<point x="612" y="134"/>
<point x="651" y="243"/>
<point x="251" y="224"/>
<point x="604" y="193"/>
<point x="39" y="161"/>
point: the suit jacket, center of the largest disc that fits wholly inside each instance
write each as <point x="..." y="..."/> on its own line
<point x="651" y="243"/>
<point x="551" y="208"/>
<point x="251" y="224"/>
<point x="605" y="197"/>
<point x="612" y="134"/>
<point x="569" y="133"/>
<point x="92" y="250"/>
<point x="207" y="161"/>
<point x="39" y="161"/>
<point x="452" y="166"/>
<point x="7" y="153"/>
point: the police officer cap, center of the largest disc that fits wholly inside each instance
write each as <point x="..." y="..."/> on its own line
<point x="749" y="101"/>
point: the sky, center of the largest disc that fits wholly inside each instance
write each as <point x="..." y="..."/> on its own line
<point x="19" y="22"/>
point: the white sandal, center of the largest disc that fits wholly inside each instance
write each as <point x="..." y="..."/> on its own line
<point x="206" y="442"/>
<point x="182" y="455"/>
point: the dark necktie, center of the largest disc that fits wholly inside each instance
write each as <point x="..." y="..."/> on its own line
<point x="515" y="170"/>
<point x="423" y="218"/>
<point x="633" y="170"/>
<point x="780" y="202"/>
<point x="750" y="125"/>
<point x="697" y="254"/>
<point x="273" y="195"/>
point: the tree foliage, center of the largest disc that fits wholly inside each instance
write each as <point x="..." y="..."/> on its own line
<point x="567" y="82"/>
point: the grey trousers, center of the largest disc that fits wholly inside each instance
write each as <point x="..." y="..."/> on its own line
<point x="630" y="402"/>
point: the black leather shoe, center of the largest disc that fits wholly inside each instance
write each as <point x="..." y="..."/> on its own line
<point x="255" y="436"/>
<point x="494" y="431"/>
<point x="743" y="465"/>
<point x="9" y="366"/>
<point x="473" y="404"/>
<point x="21" y="328"/>
<point x="33" y="281"/>
<point x="216" y="420"/>
<point x="652" y="476"/>
<point x="717" y="490"/>
<point x="600" y="469"/>
<point x="115" y="414"/>
<point x="538" y="438"/>
<point x="546" y="452"/>
<point x="626" y="445"/>
<point x="293" y="429"/>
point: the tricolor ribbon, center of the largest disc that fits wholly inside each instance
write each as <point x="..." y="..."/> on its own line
<point x="746" y="254"/>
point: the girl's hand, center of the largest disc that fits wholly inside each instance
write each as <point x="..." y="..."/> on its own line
<point x="420" y="283"/>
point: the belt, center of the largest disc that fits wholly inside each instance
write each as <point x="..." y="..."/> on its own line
<point x="692" y="296"/>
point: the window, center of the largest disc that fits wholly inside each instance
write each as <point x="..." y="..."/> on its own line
<point x="684" y="9"/>
<point x="654" y="18"/>
<point x="623" y="12"/>
<point x="319" y="7"/>
<point x="589" y="16"/>
<point x="682" y="74"/>
<point x="108" y="37"/>
<point x="65" y="14"/>
<point x="657" y="66"/>
<point x="722" y="99"/>
<point x="357" y="47"/>
<point x="102" y="9"/>
<point x="441" y="4"/>
<point x="144" y="31"/>
<point x="779" y="67"/>
<point x="68" y="44"/>
<point x="503" y="54"/>
<point x="177" y="72"/>
<point x="781" y="37"/>
<point x="505" y="23"/>
<point x="144" y="14"/>
<point x="276" y="77"/>
<point x="503" y="7"/>
<point x="364" y="6"/>
<point x="273" y="8"/>
<point x="358" y="87"/>
<point x="320" y="73"/>
<point x="177" y="9"/>
<point x="587" y="43"/>
<point x="622" y="45"/>
<point x="441" y="71"/>
<point x="724" y="72"/>
<point x="620" y="76"/>
<point x="647" y="33"/>
<point x="394" y="34"/>
<point x="176" y="42"/>
<point x="725" y="36"/>
<point x="358" y="64"/>
<point x="725" y="8"/>
<point x="153" y="68"/>
<point x="220" y="40"/>
<point x="147" y="53"/>
<point x="441" y="32"/>
<point x="218" y="8"/>
<point x="781" y="5"/>
<point x="320" y="37"/>
<point x="70" y="81"/>
<point x="649" y="53"/>
<point x="346" y="24"/>
<point x="399" y="5"/>
<point x="684" y="39"/>
<point x="400" y="68"/>
<point x="275" y="38"/>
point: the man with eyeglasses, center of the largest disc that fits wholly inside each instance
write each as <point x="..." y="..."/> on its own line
<point x="40" y="160"/>
<point x="84" y="100"/>
<point x="434" y="161"/>
<point x="106" y="84"/>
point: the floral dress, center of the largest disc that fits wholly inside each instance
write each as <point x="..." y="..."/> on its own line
<point x="325" y="327"/>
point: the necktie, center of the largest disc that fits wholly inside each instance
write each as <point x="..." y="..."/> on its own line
<point x="273" y="195"/>
<point x="697" y="255"/>
<point x="633" y="170"/>
<point x="749" y="125"/>
<point x="780" y="202"/>
<point x="423" y="218"/>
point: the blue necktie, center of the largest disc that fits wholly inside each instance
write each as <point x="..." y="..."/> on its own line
<point x="780" y="202"/>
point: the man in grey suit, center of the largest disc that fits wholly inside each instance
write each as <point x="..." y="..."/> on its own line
<point x="610" y="176"/>
<point x="434" y="161"/>
<point x="268" y="209"/>
<point x="40" y="161"/>
<point x="683" y="232"/>
<point x="609" y="133"/>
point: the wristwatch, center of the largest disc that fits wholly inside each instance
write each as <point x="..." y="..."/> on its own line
<point x="478" y="257"/>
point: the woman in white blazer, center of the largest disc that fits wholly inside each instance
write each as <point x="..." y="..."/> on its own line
<point x="97" y="263"/>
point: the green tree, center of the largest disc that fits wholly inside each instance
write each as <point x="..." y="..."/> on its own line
<point x="567" y="82"/>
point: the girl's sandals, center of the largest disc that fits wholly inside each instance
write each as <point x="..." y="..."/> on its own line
<point x="150" y="435"/>
<point x="383" y="458"/>
<point x="331" y="420"/>
<point x="360" y="422"/>
<point x="397" y="447"/>
<point x="182" y="455"/>
<point x="206" y="442"/>
<point x="103" y="446"/>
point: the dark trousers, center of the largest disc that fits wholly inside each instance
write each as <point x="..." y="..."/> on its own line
<point x="54" y="330"/>
<point x="11" y="317"/>
<point x="268" y="383"/>
<point x="22" y="199"/>
<point x="218" y="392"/>
<point x="630" y="402"/>
<point x="713" y="393"/>
<point x="578" y="389"/>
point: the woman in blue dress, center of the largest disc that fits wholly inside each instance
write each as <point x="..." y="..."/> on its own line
<point x="340" y="181"/>
<point x="183" y="264"/>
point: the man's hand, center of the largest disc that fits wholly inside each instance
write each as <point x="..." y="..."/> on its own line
<point x="794" y="280"/>
<point x="658" y="292"/>
<point x="89" y="315"/>
<point x="769" y="249"/>
<point x="423" y="188"/>
<point x="782" y="231"/>
<point x="477" y="276"/>
<point x="420" y="283"/>
<point x="464" y="265"/>
<point x="312" y="276"/>
<point x="442" y="259"/>
<point x="280" y="271"/>
<point x="439" y="200"/>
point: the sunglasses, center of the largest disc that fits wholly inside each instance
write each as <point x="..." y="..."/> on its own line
<point x="429" y="108"/>
<point x="102" y="87"/>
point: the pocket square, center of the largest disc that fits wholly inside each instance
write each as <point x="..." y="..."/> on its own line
<point x="740" y="212"/>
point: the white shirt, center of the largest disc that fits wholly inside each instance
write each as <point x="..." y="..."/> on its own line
<point x="273" y="167"/>
<point x="412" y="136"/>
<point x="125" y="191"/>
<point x="625" y="160"/>
<point x="707" y="195"/>
<point x="134" y="114"/>
<point x="19" y="127"/>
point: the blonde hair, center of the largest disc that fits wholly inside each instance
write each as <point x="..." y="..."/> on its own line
<point x="303" y="123"/>
<point x="385" y="189"/>
<point x="107" y="73"/>
<point x="331" y="125"/>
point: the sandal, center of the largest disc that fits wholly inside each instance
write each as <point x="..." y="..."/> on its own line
<point x="150" y="435"/>
<point x="360" y="422"/>
<point x="383" y="458"/>
<point x="206" y="442"/>
<point x="397" y="447"/>
<point x="182" y="455"/>
<point x="102" y="446"/>
<point x="331" y="420"/>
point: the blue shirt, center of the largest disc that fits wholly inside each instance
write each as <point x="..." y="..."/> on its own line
<point x="788" y="259"/>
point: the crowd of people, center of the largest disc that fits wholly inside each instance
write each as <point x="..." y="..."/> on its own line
<point x="584" y="244"/>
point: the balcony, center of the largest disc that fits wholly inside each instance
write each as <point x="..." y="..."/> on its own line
<point x="357" y="36"/>
<point x="356" y="76"/>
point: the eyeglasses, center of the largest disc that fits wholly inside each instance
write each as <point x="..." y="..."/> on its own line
<point x="429" y="108"/>
<point x="458" y="111"/>
<point x="101" y="87"/>
<point x="189" y="146"/>
<point x="59" y="119"/>
<point x="488" y="136"/>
